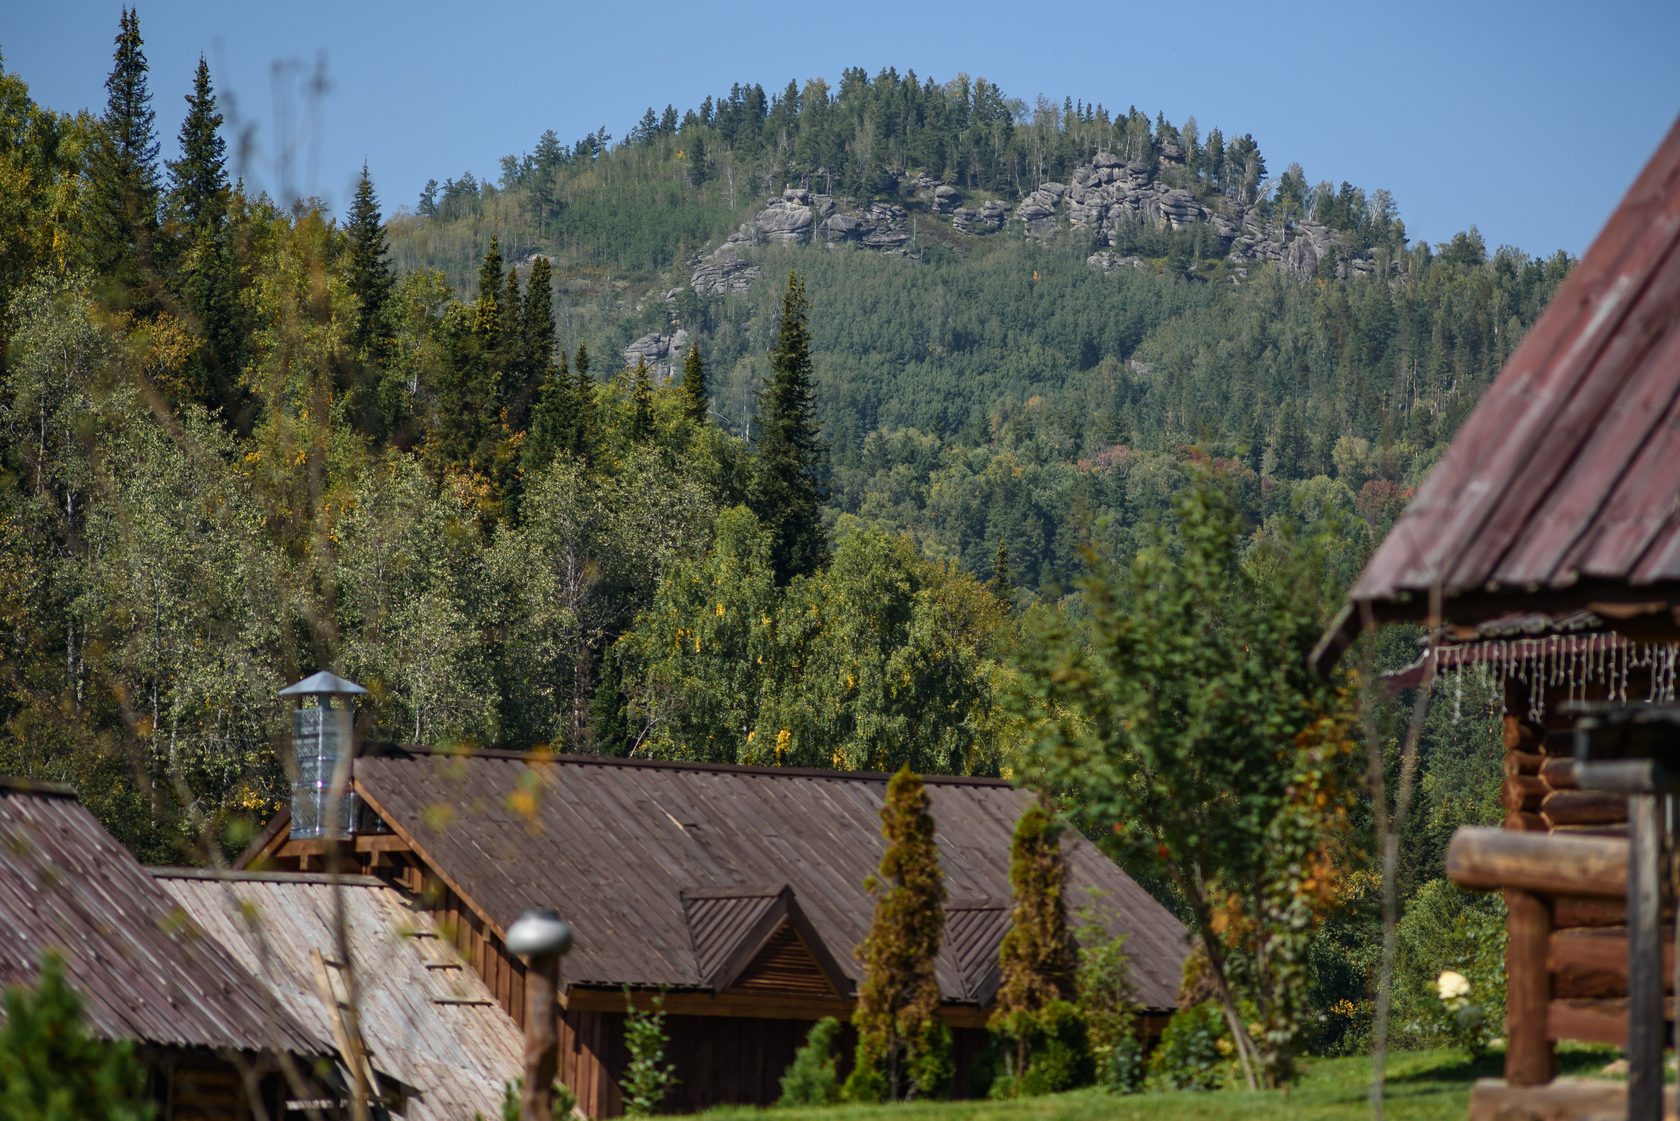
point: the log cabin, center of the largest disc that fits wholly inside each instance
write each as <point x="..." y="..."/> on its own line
<point x="1544" y="549"/>
<point x="212" y="1048"/>
<point x="736" y="893"/>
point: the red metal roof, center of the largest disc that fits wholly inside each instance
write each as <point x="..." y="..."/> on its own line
<point x="145" y="972"/>
<point x="616" y="846"/>
<point x="1562" y="490"/>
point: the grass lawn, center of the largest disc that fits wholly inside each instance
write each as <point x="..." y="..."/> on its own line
<point x="1422" y="1086"/>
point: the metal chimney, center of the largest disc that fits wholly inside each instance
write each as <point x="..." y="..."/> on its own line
<point x="323" y="744"/>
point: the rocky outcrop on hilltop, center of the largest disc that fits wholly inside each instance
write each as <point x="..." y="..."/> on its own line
<point x="1106" y="199"/>
<point x="662" y="353"/>
<point x="799" y="217"/>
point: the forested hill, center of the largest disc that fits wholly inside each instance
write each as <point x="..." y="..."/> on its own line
<point x="1025" y="321"/>
<point x="240" y="441"/>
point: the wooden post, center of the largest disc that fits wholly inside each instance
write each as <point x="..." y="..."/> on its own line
<point x="1529" y="1054"/>
<point x="542" y="1053"/>
<point x="1646" y="1026"/>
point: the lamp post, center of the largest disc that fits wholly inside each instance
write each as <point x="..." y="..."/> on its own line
<point x="542" y="938"/>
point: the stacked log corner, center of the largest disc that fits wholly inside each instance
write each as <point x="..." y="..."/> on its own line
<point x="1566" y="963"/>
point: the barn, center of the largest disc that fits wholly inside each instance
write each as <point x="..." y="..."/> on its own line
<point x="736" y="892"/>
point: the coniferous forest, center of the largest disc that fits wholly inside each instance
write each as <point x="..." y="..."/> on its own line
<point x="843" y="524"/>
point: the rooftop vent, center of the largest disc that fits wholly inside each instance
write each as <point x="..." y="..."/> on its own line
<point x="323" y="745"/>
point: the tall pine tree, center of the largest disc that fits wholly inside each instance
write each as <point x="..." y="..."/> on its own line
<point x="370" y="271"/>
<point x="123" y="173"/>
<point x="787" y="484"/>
<point x="205" y="273"/>
<point x="903" y="1048"/>
<point x="695" y="401"/>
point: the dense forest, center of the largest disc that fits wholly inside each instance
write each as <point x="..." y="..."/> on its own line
<point x="246" y="438"/>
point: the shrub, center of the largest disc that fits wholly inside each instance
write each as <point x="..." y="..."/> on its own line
<point x="564" y="1101"/>
<point x="1104" y="987"/>
<point x="1054" y="1037"/>
<point x="1190" y="1055"/>
<point x="813" y="1078"/>
<point x="648" y="1077"/>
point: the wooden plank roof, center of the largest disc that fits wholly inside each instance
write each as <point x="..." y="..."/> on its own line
<point x="1562" y="490"/>
<point x="144" y="973"/>
<point x="615" y="844"/>
<point x="429" y="1021"/>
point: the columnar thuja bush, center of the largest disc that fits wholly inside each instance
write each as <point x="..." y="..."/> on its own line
<point x="1042" y="1030"/>
<point x="903" y="1050"/>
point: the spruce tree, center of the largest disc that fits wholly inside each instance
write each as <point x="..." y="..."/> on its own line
<point x="695" y="401"/>
<point x="488" y="310"/>
<point x="641" y="403"/>
<point x="198" y="183"/>
<point x="787" y="484"/>
<point x="582" y="428"/>
<point x="1038" y="964"/>
<point x="370" y="271"/>
<point x="553" y="415"/>
<point x="903" y="1049"/>
<point x="123" y="174"/>
<point x="536" y="344"/>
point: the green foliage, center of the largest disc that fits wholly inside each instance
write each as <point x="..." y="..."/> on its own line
<point x="564" y="1101"/>
<point x="648" y="1078"/>
<point x="1190" y="1055"/>
<point x="1186" y="721"/>
<point x="1057" y="1050"/>
<point x="903" y="1048"/>
<point x="1448" y="930"/>
<point x="1105" y="999"/>
<point x="813" y="1077"/>
<point x="53" y="1069"/>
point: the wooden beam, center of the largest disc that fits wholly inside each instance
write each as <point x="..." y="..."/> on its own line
<point x="1592" y="1021"/>
<point x="1530" y="1058"/>
<point x="1497" y="859"/>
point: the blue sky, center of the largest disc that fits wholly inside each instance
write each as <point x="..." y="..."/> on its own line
<point x="1526" y="119"/>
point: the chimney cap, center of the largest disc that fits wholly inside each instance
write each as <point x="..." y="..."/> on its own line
<point x="323" y="683"/>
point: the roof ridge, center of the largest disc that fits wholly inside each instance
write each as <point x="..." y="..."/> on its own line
<point x="540" y="756"/>
<point x="241" y="875"/>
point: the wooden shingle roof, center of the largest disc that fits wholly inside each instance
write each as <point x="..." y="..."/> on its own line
<point x="145" y="973"/>
<point x="617" y="845"/>
<point x="1562" y="490"/>
<point x="427" y="1017"/>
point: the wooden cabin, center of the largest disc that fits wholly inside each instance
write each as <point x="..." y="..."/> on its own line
<point x="434" y="1042"/>
<point x="1544" y="549"/>
<point x="214" y="1048"/>
<point x="736" y="892"/>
